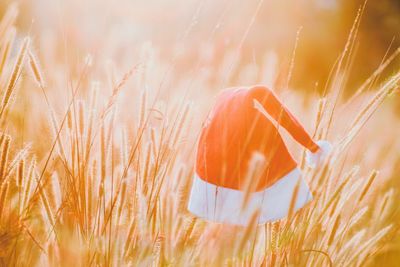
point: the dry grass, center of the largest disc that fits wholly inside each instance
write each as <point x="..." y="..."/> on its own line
<point x="104" y="180"/>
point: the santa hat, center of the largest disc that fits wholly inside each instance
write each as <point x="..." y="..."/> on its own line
<point x="245" y="122"/>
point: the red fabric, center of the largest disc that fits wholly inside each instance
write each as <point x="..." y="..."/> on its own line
<point x="234" y="129"/>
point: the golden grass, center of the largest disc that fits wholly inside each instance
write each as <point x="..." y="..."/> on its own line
<point x="109" y="185"/>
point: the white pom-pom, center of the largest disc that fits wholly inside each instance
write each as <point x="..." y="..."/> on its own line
<point x="314" y="159"/>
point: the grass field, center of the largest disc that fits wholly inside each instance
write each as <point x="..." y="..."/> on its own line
<point x="97" y="157"/>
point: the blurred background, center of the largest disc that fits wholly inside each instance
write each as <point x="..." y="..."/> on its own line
<point x="205" y="34"/>
<point x="202" y="46"/>
<point x="191" y="49"/>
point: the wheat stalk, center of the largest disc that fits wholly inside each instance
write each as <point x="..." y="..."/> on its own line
<point x="16" y="72"/>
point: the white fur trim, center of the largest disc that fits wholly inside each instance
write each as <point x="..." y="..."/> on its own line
<point x="221" y="204"/>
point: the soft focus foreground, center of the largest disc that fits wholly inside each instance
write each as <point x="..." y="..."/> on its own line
<point x="97" y="154"/>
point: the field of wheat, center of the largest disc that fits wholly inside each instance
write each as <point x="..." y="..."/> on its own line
<point x="97" y="153"/>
